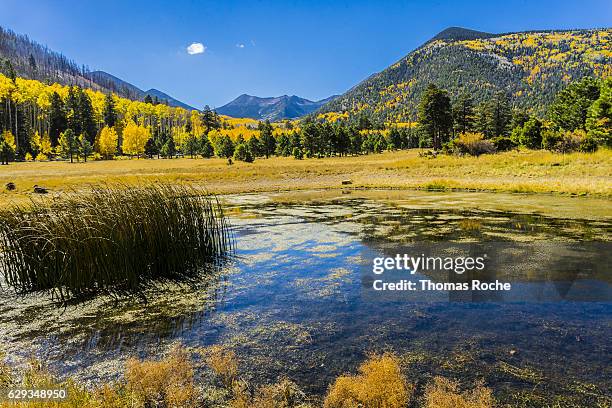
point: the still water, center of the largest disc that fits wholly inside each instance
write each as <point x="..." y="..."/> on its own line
<point x="293" y="304"/>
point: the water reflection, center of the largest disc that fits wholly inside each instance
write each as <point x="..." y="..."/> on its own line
<point x="292" y="304"/>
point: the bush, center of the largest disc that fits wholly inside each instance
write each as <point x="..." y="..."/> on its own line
<point x="531" y="134"/>
<point x="550" y="139"/>
<point x="297" y="153"/>
<point x="165" y="383"/>
<point x="223" y="362"/>
<point x="444" y="393"/>
<point x="503" y="144"/>
<point x="473" y="144"/>
<point x="588" y="145"/>
<point x="41" y="157"/>
<point x="379" y="383"/>
<point x="243" y="153"/>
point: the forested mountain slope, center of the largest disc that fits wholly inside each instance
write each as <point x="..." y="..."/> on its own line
<point x="29" y="59"/>
<point x="530" y="67"/>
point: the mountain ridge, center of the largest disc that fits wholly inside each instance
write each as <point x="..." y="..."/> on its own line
<point x="32" y="60"/>
<point x="272" y="108"/>
<point x="530" y="67"/>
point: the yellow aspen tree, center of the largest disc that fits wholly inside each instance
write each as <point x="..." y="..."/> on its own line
<point x="107" y="142"/>
<point x="134" y="139"/>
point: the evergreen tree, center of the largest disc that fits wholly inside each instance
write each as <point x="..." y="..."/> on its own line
<point x="85" y="148"/>
<point x="570" y="106"/>
<point x="499" y="115"/>
<point x="206" y="150"/>
<point x="109" y="113"/>
<point x="69" y="144"/>
<point x="150" y="149"/>
<point x="88" y="121"/>
<point x="463" y="114"/>
<point x="435" y="115"/>
<point x="267" y="139"/>
<point x="58" y="122"/>
<point x="255" y="146"/>
<point x="73" y="110"/>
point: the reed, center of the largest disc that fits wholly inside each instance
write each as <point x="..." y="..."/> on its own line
<point x="114" y="239"/>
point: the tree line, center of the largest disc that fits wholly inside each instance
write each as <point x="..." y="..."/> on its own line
<point x="39" y="122"/>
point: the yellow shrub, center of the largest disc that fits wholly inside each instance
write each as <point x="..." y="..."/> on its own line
<point x="168" y="382"/>
<point x="444" y="393"/>
<point x="41" y="157"/>
<point x="284" y="394"/>
<point x="223" y="362"/>
<point x="379" y="384"/>
<point x="5" y="372"/>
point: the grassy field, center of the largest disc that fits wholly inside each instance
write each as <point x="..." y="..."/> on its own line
<point x="517" y="171"/>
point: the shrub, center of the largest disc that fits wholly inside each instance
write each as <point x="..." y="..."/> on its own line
<point x="531" y="134"/>
<point x="223" y="362"/>
<point x="473" y="144"/>
<point x="41" y="157"/>
<point x="503" y="144"/>
<point x="588" y="145"/>
<point x="115" y="240"/>
<point x="243" y="153"/>
<point x="167" y="383"/>
<point x="550" y="139"/>
<point x="444" y="393"/>
<point x="28" y="157"/>
<point x="284" y="394"/>
<point x="5" y="372"/>
<point x="297" y="153"/>
<point x="379" y="384"/>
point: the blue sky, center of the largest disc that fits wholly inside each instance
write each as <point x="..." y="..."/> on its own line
<point x="310" y="48"/>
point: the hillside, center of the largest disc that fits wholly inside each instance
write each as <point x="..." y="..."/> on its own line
<point x="273" y="109"/>
<point x="529" y="67"/>
<point x="32" y="60"/>
<point x="127" y="90"/>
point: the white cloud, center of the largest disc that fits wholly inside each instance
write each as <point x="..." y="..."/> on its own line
<point x="196" y="48"/>
<point x="240" y="45"/>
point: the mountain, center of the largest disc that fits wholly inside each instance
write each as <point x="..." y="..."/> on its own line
<point x="32" y="60"/>
<point x="161" y="96"/>
<point x="530" y="67"/>
<point x="273" y="109"/>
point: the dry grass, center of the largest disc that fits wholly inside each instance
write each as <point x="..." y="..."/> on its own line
<point x="444" y="393"/>
<point x="170" y="382"/>
<point x="379" y="384"/>
<point x="515" y="171"/>
<point x="284" y="394"/>
<point x="223" y="362"/>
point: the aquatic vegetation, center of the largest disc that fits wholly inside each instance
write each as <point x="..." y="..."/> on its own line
<point x="379" y="384"/>
<point x="114" y="239"/>
<point x="445" y="393"/>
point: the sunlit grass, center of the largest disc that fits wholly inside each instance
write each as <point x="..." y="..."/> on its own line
<point x="515" y="171"/>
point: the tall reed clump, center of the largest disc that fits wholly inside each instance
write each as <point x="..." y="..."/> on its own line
<point x="115" y="239"/>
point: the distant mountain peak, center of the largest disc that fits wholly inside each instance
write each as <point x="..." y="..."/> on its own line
<point x="270" y="108"/>
<point x="460" y="34"/>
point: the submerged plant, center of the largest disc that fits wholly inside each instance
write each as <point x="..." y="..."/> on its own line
<point x="116" y="240"/>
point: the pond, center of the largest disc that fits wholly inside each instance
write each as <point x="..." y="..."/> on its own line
<point x="293" y="303"/>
